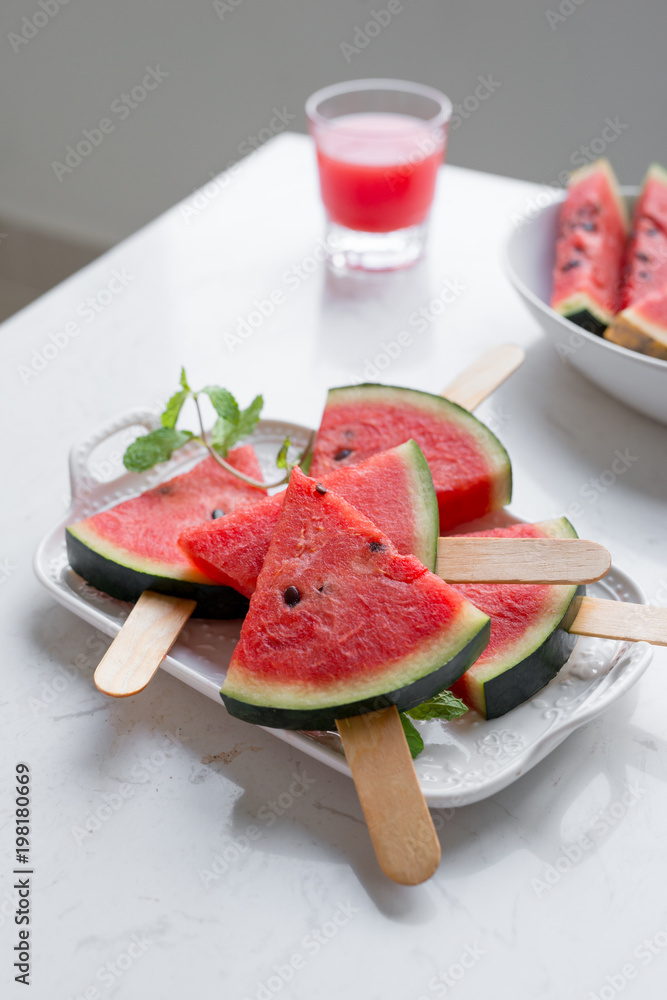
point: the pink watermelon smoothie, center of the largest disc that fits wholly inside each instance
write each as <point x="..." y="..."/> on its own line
<point x="373" y="175"/>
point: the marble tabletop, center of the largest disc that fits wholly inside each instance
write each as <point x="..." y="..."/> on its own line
<point x="179" y="852"/>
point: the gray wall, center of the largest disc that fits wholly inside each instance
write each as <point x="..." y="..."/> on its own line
<point x="555" y="80"/>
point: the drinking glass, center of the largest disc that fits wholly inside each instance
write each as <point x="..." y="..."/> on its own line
<point x="379" y="145"/>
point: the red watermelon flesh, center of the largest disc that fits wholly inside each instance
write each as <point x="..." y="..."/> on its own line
<point x="524" y="617"/>
<point x="341" y="623"/>
<point x="470" y="468"/>
<point x="590" y="248"/>
<point x="393" y="488"/>
<point x="646" y="255"/>
<point x="643" y="326"/>
<point x="142" y="533"/>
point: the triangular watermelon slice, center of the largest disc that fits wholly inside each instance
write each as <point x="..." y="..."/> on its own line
<point x="394" y="489"/>
<point x="471" y="470"/>
<point x="646" y="252"/>
<point x="592" y="228"/>
<point x="529" y="639"/>
<point x="133" y="546"/>
<point x="341" y="624"/>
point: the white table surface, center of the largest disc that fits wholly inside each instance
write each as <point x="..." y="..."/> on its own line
<point x="194" y="779"/>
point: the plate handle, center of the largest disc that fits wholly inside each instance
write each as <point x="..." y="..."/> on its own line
<point x="80" y="475"/>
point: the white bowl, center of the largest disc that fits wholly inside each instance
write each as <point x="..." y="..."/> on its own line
<point x="634" y="378"/>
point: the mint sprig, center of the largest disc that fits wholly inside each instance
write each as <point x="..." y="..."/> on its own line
<point x="232" y="425"/>
<point x="441" y="706"/>
<point x="151" y="449"/>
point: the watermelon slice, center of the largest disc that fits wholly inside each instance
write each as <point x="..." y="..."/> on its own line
<point x="529" y="642"/>
<point x="590" y="247"/>
<point x="646" y="254"/>
<point x="471" y="470"/>
<point x="642" y="326"/>
<point x="133" y="546"/>
<point x="341" y="624"/>
<point x="393" y="488"/>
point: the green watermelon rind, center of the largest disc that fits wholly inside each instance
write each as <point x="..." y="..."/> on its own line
<point x="534" y="660"/>
<point x="86" y="533"/>
<point x="417" y="678"/>
<point x="422" y="499"/>
<point x="583" y="310"/>
<point x="499" y="465"/>
<point x="127" y="581"/>
<point x="633" y="330"/>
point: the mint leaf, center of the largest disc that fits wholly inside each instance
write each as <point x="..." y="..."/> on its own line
<point x="305" y="465"/>
<point x="442" y="706"/>
<point x="151" y="449"/>
<point x="224" y="403"/>
<point x="174" y="406"/>
<point x="414" y="740"/>
<point x="281" y="460"/>
<point x="248" y="418"/>
<point x="183" y="381"/>
<point x="223" y="435"/>
<point x="232" y="424"/>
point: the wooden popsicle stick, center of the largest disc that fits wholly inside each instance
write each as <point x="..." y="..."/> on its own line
<point x="146" y="637"/>
<point x="618" y="620"/>
<point x="400" y="825"/>
<point x="483" y="376"/>
<point x="521" y="560"/>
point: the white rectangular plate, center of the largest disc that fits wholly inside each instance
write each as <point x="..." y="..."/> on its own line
<point x="463" y="761"/>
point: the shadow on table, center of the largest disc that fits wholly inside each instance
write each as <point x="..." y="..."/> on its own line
<point x="370" y="323"/>
<point x="583" y="424"/>
<point x="306" y="811"/>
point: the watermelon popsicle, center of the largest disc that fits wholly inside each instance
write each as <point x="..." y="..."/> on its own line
<point x="342" y="625"/>
<point x="132" y="546"/>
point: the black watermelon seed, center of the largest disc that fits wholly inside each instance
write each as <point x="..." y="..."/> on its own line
<point x="642" y="256"/>
<point x="651" y="231"/>
<point x="644" y="275"/>
<point x="163" y="490"/>
<point x="343" y="453"/>
<point x="570" y="265"/>
<point x="217" y="513"/>
<point x="292" y="597"/>
<point x="376" y="547"/>
<point x="589" y="227"/>
<point x="321" y="489"/>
